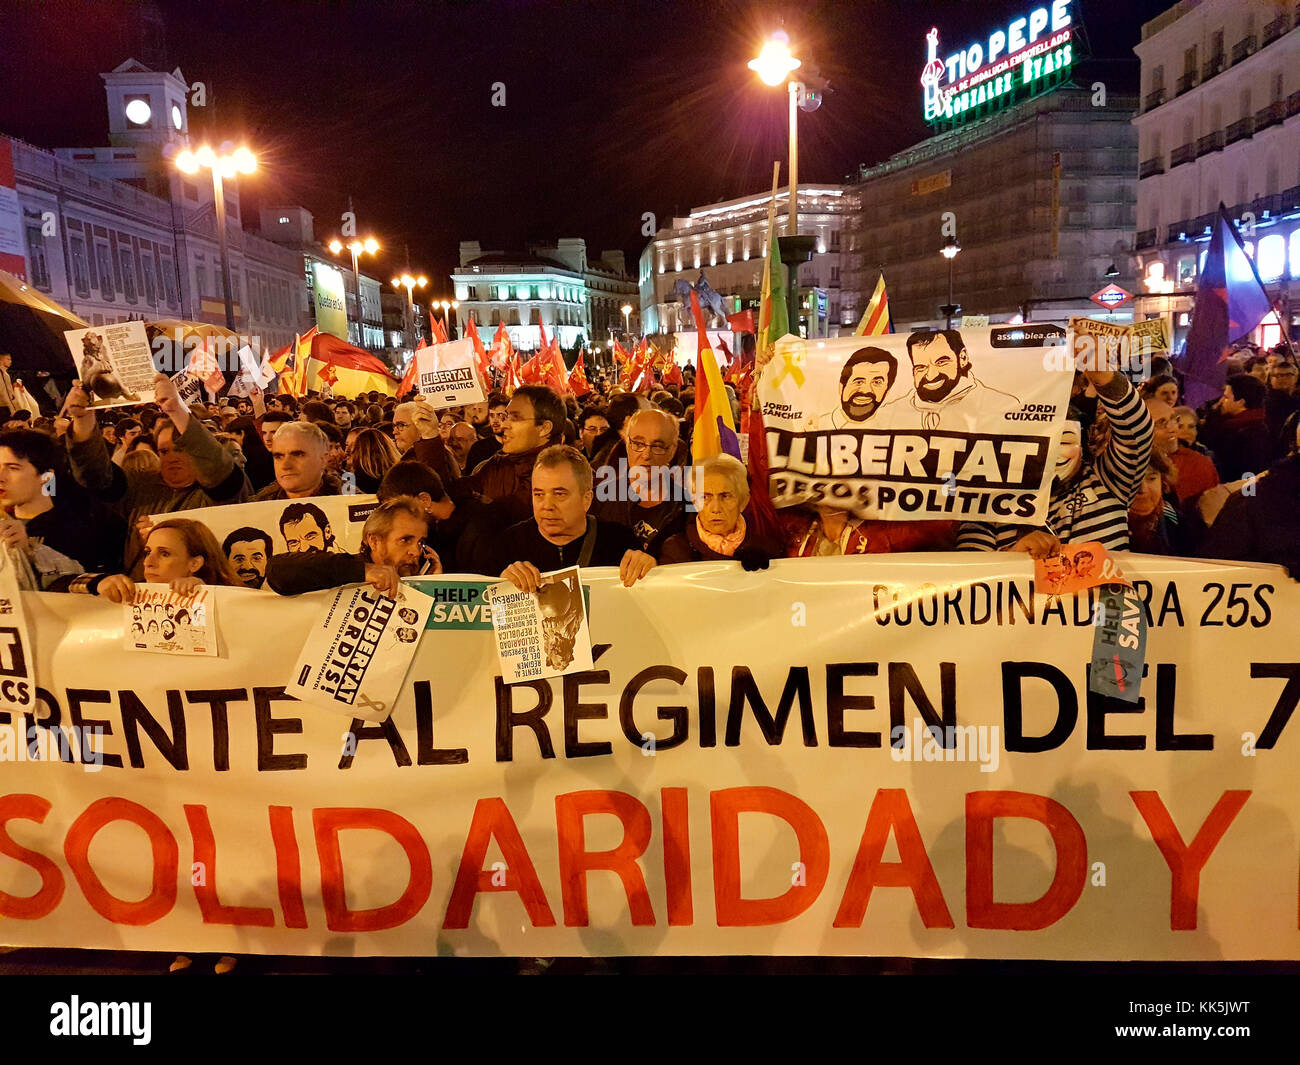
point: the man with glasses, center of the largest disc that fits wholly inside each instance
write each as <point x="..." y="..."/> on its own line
<point x="1282" y="398"/>
<point x="646" y="493"/>
<point x="534" y="419"/>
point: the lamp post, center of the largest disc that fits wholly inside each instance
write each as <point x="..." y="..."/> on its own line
<point x="221" y="166"/>
<point x="449" y="307"/>
<point x="949" y="251"/>
<point x="627" y="318"/>
<point x="406" y="281"/>
<point x="370" y="246"/>
<point x="774" y="64"/>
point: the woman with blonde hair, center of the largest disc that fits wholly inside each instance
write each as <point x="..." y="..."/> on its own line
<point x="418" y="436"/>
<point x="372" y="455"/>
<point x="179" y="552"/>
<point x="720" y="490"/>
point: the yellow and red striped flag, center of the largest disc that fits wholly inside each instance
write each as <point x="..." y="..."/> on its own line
<point x="875" y="319"/>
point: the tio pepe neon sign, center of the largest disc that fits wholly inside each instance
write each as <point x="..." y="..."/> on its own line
<point x="1028" y="49"/>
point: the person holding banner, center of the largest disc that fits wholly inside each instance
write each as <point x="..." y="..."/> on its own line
<point x="393" y="547"/>
<point x="1090" y="497"/>
<point x="561" y="533"/>
<point x="719" y="531"/>
<point x="196" y="471"/>
<point x="178" y="552"/>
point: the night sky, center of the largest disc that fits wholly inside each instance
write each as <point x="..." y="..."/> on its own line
<point x="612" y="108"/>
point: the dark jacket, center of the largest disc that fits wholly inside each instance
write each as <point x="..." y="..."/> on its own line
<point x="434" y="454"/>
<point x="1264" y="527"/>
<point x="137" y="495"/>
<point x="508" y="478"/>
<point x="689" y="546"/>
<point x="482" y="450"/>
<point x="331" y="485"/>
<point x="524" y="542"/>
<point x="1241" y="443"/>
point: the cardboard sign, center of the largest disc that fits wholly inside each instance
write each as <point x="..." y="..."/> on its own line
<point x="446" y="374"/>
<point x="543" y="633"/>
<point x="114" y="363"/>
<point x="166" y="622"/>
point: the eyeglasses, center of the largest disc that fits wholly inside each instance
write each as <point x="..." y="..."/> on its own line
<point x="649" y="447"/>
<point x="400" y="425"/>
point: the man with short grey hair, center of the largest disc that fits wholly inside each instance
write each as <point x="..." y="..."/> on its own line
<point x="298" y="451"/>
<point x="647" y="495"/>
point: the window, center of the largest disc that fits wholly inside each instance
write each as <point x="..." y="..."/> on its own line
<point x="165" y="279"/>
<point x="200" y="281"/>
<point x="80" y="267"/>
<point x="190" y="191"/>
<point x="107" y="290"/>
<point x="40" y="274"/>
<point x="1295" y="253"/>
<point x="1271" y="260"/>
<point x="150" y="280"/>
<point x="835" y="240"/>
<point x="835" y="275"/>
<point x="1186" y="270"/>
<point x="128" y="273"/>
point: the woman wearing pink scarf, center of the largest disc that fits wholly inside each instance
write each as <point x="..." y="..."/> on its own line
<point x="719" y="531"/>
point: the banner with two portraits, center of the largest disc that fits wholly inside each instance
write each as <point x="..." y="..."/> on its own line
<point x="954" y="424"/>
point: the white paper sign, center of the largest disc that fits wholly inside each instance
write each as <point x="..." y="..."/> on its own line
<point x="166" y="622"/>
<point x="357" y="654"/>
<point x="114" y="363"/>
<point x="446" y="374"/>
<point x="543" y="633"/>
<point x="17" y="656"/>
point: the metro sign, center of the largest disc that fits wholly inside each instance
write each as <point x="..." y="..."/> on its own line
<point x="1111" y="296"/>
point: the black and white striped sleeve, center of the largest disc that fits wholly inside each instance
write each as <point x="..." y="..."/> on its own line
<point x="1124" y="461"/>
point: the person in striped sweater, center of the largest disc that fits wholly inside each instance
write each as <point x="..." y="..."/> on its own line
<point x="1090" y="496"/>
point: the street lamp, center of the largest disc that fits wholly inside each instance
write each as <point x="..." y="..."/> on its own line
<point x="773" y="65"/>
<point x="410" y="283"/>
<point x="627" y="318"/>
<point x="949" y="251"/>
<point x="221" y="166"/>
<point x="447" y="306"/>
<point x="370" y="246"/>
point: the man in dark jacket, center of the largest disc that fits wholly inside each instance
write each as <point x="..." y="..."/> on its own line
<point x="1236" y="430"/>
<point x="534" y="420"/>
<point x="196" y="470"/>
<point x="1264" y="527"/>
<point x="299" y="451"/>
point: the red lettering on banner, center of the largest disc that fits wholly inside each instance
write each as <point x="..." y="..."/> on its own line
<point x="677" y="856"/>
<point x="166" y="854"/>
<point x="328" y="823"/>
<point x="205" y="855"/>
<point x="1186" y="861"/>
<point x="576" y="861"/>
<point x="491" y="821"/>
<point x="29" y="907"/>
<point x="982" y="808"/>
<point x="725" y="808"/>
<point x="890" y="810"/>
<point x="288" y="866"/>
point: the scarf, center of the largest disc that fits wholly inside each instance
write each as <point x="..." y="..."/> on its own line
<point x="723" y="545"/>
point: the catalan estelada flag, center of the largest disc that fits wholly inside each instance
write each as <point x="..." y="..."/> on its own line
<point x="715" y="432"/>
<point x="875" y="319"/>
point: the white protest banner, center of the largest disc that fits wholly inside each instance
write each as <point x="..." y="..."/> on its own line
<point x="542" y="633"/>
<point x="446" y="374"/>
<point x="357" y="654"/>
<point x="250" y="533"/>
<point x="250" y="374"/>
<point x="929" y="425"/>
<point x="168" y="622"/>
<point x="187" y="387"/>
<point x="17" y="657"/>
<point x="114" y="363"/>
<point x="747" y="769"/>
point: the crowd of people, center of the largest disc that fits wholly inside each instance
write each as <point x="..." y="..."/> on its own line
<point x="509" y="487"/>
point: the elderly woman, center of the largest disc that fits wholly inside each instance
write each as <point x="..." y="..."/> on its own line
<point x="417" y="435"/>
<point x="719" y="531"/>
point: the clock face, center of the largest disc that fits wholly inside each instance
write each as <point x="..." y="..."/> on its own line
<point x="177" y="119"/>
<point x="138" y="112"/>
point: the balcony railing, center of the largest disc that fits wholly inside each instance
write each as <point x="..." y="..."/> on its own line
<point x="1213" y="66"/>
<point x="1240" y="130"/>
<point x="1187" y="81"/>
<point x="1202" y="223"/>
<point x="1291" y="198"/>
<point x="1184" y="153"/>
<point x="1293" y="104"/>
<point x="1146" y="239"/>
<point x="1270" y="115"/>
<point x="1244" y="47"/>
<point x="1275" y="29"/>
<point x="1179" y="231"/>
<point x="1151" y="166"/>
<point x="1153" y="99"/>
<point x="1211" y="142"/>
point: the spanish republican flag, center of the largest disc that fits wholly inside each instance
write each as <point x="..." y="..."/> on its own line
<point x="875" y="319"/>
<point x="715" y="432"/>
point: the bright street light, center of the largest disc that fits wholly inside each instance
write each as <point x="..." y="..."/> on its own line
<point x="221" y="165"/>
<point x="410" y="283"/>
<point x="775" y="63"/>
<point x="949" y="251"/>
<point x="357" y="246"/>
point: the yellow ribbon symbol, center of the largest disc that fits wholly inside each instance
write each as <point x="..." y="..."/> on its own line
<point x="793" y="357"/>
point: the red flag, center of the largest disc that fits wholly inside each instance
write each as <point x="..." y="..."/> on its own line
<point x="408" y="379"/>
<point x="484" y="363"/>
<point x="742" y="321"/>
<point x="512" y="380"/>
<point x="546" y="344"/>
<point x="578" y="384"/>
<point x="438" y="327"/>
<point x="530" y="373"/>
<point x="555" y="374"/>
<point x="501" y="348"/>
<point x="674" y="376"/>
<point x="620" y="354"/>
